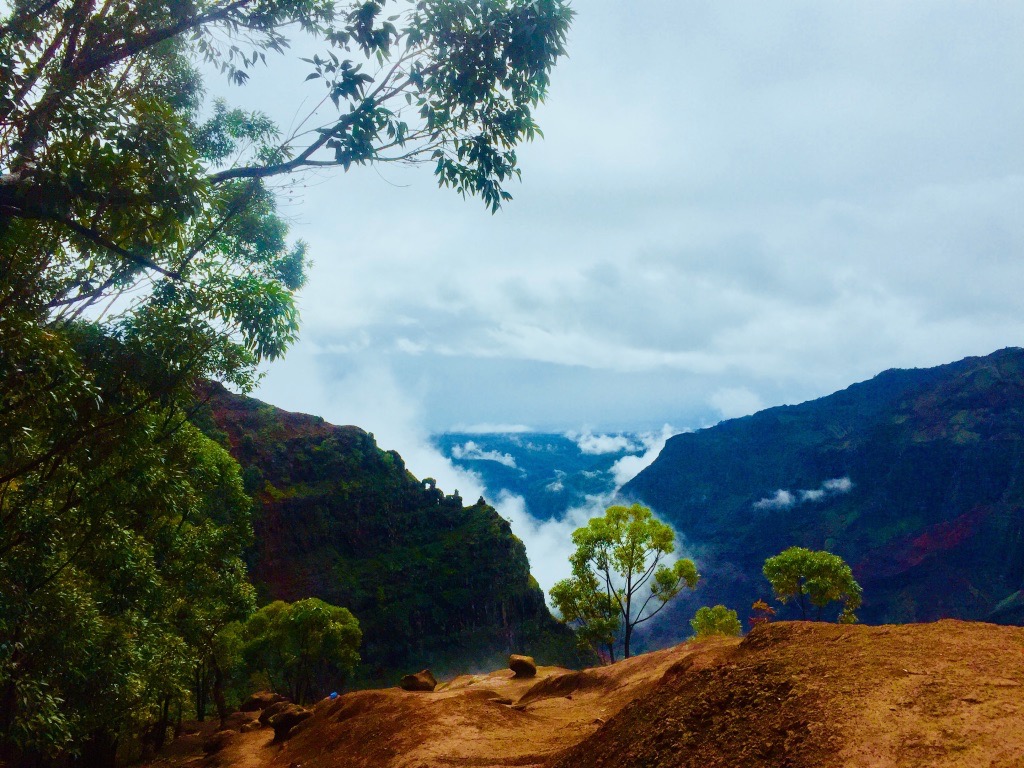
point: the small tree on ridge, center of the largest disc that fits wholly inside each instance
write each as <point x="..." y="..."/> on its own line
<point x="814" y="579"/>
<point x="618" y="572"/>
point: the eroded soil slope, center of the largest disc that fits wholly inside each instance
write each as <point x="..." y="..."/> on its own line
<point x="799" y="694"/>
<point x="790" y="694"/>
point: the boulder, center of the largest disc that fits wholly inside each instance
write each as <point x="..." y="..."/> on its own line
<point x="288" y="718"/>
<point x="235" y="721"/>
<point x="421" y="681"/>
<point x="273" y="709"/>
<point x="252" y="725"/>
<point x="218" y="741"/>
<point x="523" y="666"/>
<point x="260" y="700"/>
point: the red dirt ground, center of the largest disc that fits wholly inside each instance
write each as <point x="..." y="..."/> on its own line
<point x="943" y="695"/>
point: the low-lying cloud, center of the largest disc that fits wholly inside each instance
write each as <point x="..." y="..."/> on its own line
<point x="628" y="467"/>
<point x="470" y="451"/>
<point x="596" y="445"/>
<point x="783" y="499"/>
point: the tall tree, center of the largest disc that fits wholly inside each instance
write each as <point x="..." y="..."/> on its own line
<point x="140" y="251"/>
<point x="620" y="564"/>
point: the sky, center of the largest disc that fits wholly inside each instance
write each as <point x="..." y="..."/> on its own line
<point x="735" y="205"/>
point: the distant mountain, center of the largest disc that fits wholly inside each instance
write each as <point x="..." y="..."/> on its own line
<point x="432" y="581"/>
<point x="552" y="472"/>
<point x="915" y="477"/>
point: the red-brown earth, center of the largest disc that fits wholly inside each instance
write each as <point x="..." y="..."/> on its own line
<point x="789" y="694"/>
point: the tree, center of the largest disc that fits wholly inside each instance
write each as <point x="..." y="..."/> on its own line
<point x="304" y="647"/>
<point x="590" y="611"/>
<point x="141" y="252"/>
<point x="120" y="200"/>
<point x="814" y="579"/>
<point x="104" y="624"/>
<point x="718" y="620"/>
<point x="618" y="572"/>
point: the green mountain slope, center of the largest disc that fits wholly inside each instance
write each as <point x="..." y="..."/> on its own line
<point x="433" y="582"/>
<point x="915" y="477"/>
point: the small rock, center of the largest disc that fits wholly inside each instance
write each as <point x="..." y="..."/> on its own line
<point x="252" y="725"/>
<point x="421" y="681"/>
<point x="523" y="666"/>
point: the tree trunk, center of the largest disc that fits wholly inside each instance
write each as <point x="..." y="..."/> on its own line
<point x="160" y="733"/>
<point x="218" y="693"/>
<point x="201" y="691"/>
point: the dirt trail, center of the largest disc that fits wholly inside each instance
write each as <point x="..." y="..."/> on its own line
<point x="949" y="695"/>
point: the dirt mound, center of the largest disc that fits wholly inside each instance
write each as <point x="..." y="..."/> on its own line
<point x="944" y="695"/>
<point x="803" y="695"/>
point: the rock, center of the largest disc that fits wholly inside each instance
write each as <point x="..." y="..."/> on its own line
<point x="286" y="719"/>
<point x="260" y="700"/>
<point x="218" y="741"/>
<point x="235" y="721"/>
<point x="523" y="666"/>
<point x="273" y="709"/>
<point x="421" y="681"/>
<point x="252" y="725"/>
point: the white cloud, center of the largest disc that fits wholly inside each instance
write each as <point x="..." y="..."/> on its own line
<point x="548" y="542"/>
<point x="470" y="451"/>
<point x="783" y="499"/>
<point x="628" y="467"/>
<point x="595" y="445"/>
<point x="492" y="429"/>
<point x="557" y="485"/>
<point x="838" y="485"/>
<point x="733" y="402"/>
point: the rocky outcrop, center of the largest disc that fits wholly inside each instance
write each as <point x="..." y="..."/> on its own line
<point x="523" y="666"/>
<point x="260" y="700"/>
<point x="272" y="710"/>
<point x="423" y="681"/>
<point x="286" y="719"/>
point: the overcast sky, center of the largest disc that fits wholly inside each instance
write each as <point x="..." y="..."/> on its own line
<point x="736" y="205"/>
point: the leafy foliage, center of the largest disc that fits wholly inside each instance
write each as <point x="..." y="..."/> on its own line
<point x="616" y="557"/>
<point x="141" y="253"/>
<point x="108" y="603"/>
<point x="716" y="620"/>
<point x="814" y="578"/>
<point x="304" y="649"/>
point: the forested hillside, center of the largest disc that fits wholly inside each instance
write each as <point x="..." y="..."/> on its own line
<point x="916" y="478"/>
<point x="432" y="581"/>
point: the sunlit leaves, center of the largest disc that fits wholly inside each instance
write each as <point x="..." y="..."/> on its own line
<point x="814" y="579"/>
<point x="620" y="573"/>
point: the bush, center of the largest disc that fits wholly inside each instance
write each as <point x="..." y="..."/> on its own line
<point x="716" y="621"/>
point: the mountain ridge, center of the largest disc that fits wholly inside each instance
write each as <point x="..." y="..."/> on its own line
<point x="433" y="582"/>
<point x="927" y="467"/>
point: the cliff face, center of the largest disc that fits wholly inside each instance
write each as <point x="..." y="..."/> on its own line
<point x="915" y="477"/>
<point x="432" y="581"/>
